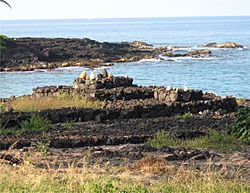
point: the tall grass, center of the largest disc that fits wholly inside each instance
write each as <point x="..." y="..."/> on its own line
<point x="26" y="104"/>
<point x="96" y="179"/>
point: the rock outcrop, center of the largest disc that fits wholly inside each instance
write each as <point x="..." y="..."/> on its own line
<point x="40" y="53"/>
<point x="140" y="45"/>
<point x="194" y="53"/>
<point x="224" y="45"/>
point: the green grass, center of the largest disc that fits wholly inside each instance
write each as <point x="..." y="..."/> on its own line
<point x="214" y="140"/>
<point x="186" y="116"/>
<point x="69" y="124"/>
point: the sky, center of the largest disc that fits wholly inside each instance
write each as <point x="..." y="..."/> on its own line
<point x="69" y="9"/>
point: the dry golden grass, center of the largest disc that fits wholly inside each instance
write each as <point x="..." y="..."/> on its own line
<point x="27" y="104"/>
<point x="149" y="177"/>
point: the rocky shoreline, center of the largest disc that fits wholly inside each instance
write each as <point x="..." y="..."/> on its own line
<point x="28" y="54"/>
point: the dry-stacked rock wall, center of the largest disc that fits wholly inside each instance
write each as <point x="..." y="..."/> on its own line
<point x="180" y="95"/>
<point x="125" y="100"/>
<point x="102" y="83"/>
<point x="114" y="94"/>
<point x="148" y="109"/>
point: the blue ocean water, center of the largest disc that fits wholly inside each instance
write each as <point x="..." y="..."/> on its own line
<point x="227" y="72"/>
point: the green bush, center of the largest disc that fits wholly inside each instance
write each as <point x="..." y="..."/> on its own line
<point x="240" y="128"/>
<point x="3" y="40"/>
<point x="36" y="123"/>
<point x="186" y="116"/>
<point x="42" y="147"/>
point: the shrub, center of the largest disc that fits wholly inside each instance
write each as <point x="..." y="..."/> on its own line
<point x="240" y="128"/>
<point x="36" y="123"/>
<point x="42" y="147"/>
<point x="3" y="40"/>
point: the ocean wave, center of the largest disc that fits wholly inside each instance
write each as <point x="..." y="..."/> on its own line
<point x="170" y="59"/>
<point x="151" y="60"/>
<point x="69" y="68"/>
<point x="179" y="59"/>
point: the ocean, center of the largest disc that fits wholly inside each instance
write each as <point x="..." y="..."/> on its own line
<point x="227" y="72"/>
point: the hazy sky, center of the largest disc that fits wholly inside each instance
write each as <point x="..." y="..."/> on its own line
<point x="54" y="9"/>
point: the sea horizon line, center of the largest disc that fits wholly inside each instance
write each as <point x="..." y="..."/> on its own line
<point x="124" y="18"/>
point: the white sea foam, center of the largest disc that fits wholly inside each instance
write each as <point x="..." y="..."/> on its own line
<point x="150" y="60"/>
<point x="40" y="70"/>
<point x="171" y="59"/>
<point x="68" y="68"/>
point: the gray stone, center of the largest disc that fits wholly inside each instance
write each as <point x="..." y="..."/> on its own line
<point x="104" y="73"/>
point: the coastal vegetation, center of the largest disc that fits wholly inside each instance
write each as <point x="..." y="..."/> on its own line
<point x="186" y="116"/>
<point x="154" y="176"/>
<point x="241" y="126"/>
<point x="3" y="40"/>
<point x="26" y="104"/>
<point x="34" y="124"/>
<point x="215" y="140"/>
